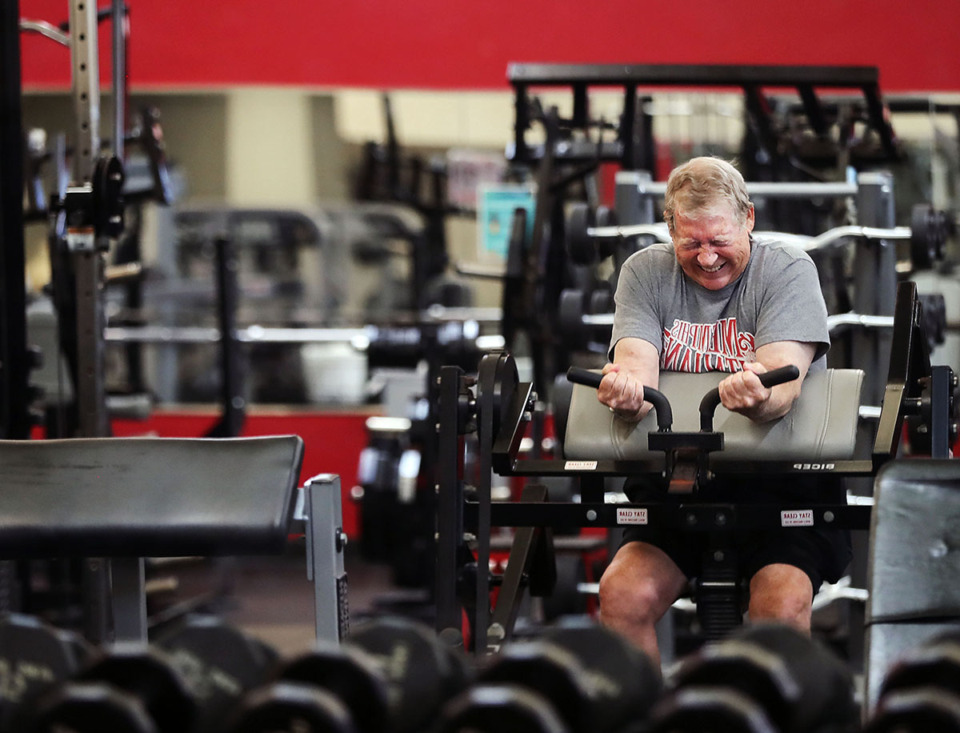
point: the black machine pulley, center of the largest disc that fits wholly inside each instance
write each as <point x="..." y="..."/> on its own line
<point x="497" y="383"/>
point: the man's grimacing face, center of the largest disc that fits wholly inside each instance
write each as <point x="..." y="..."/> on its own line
<point x="712" y="247"/>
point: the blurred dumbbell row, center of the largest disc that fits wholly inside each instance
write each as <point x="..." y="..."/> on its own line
<point x="395" y="675"/>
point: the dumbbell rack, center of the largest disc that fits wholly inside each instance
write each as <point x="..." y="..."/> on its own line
<point x="500" y="410"/>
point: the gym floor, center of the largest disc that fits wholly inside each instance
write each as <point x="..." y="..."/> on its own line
<point x="270" y="597"/>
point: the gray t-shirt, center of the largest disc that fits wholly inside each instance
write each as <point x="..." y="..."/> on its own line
<point x="777" y="298"/>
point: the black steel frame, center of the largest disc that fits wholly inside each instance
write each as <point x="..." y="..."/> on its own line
<point x="751" y="79"/>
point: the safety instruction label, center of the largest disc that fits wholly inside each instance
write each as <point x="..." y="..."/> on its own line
<point x="796" y="518"/>
<point x="631" y="515"/>
<point x="580" y="466"/>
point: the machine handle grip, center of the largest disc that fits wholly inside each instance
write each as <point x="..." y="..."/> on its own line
<point x="768" y="379"/>
<point x="661" y="405"/>
<point x="778" y="376"/>
<point x="587" y="378"/>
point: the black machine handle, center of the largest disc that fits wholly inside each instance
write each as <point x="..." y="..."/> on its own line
<point x="711" y="400"/>
<point x="588" y="378"/>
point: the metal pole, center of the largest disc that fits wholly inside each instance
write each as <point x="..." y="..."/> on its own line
<point x="119" y="24"/>
<point x="14" y="366"/>
<point x="875" y="280"/>
<point x="325" y="545"/>
<point x="91" y="393"/>
<point x="760" y="189"/>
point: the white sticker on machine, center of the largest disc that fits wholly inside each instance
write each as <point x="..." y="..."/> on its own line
<point x="631" y="515"/>
<point x="580" y="466"/>
<point x="796" y="518"/>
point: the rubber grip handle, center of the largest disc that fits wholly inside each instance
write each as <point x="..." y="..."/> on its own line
<point x="779" y="376"/>
<point x="711" y="400"/>
<point x="578" y="375"/>
<point x="587" y="378"/>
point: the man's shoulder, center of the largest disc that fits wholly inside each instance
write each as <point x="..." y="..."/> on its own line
<point x="654" y="254"/>
<point x="781" y="250"/>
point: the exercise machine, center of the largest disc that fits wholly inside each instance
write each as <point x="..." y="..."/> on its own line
<point x="819" y="438"/>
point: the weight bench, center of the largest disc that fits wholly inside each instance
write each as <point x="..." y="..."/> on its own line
<point x="123" y="499"/>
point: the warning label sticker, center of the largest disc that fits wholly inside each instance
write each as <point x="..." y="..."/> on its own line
<point x="797" y="518"/>
<point x="580" y="466"/>
<point x="631" y="515"/>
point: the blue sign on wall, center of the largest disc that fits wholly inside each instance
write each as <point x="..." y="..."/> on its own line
<point x="497" y="204"/>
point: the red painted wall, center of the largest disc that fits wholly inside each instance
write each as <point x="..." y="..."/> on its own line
<point x="467" y="45"/>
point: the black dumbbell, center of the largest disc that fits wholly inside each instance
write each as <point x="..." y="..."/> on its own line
<point x="33" y="656"/>
<point x="572" y="307"/>
<point x="219" y="663"/>
<point x="577" y="676"/>
<point x="129" y="687"/>
<point x="921" y="690"/>
<point x="290" y="706"/>
<point x="765" y="677"/>
<point x="392" y="675"/>
<point x="582" y="248"/>
<point x="929" y="231"/>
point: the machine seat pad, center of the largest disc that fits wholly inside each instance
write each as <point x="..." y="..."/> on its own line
<point x="147" y="497"/>
<point x="822" y="425"/>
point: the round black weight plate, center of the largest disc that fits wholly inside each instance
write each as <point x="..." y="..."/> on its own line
<point x="928" y="233"/>
<point x="421" y="672"/>
<point x="705" y="710"/>
<point x="570" y="311"/>
<point x="491" y="708"/>
<point x="218" y="662"/>
<point x="623" y="682"/>
<point x="147" y="674"/>
<point x="799" y="683"/>
<point x="916" y="711"/>
<point x="33" y="656"/>
<point x="497" y="382"/>
<point x="89" y="707"/>
<point x="606" y="217"/>
<point x="289" y="706"/>
<point x="580" y="245"/>
<point x="934" y="663"/>
<point x="350" y="675"/>
<point x="549" y="671"/>
<point x="591" y="676"/>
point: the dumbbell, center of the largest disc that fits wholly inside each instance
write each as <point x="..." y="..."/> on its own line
<point x="575" y="677"/>
<point x="33" y="656"/>
<point x="929" y="231"/>
<point x="186" y="681"/>
<point x="218" y="662"/>
<point x="572" y="308"/>
<point x="921" y="691"/>
<point x="933" y="309"/>
<point x="765" y="677"/>
<point x="129" y="687"/>
<point x="391" y="676"/>
<point x="581" y="247"/>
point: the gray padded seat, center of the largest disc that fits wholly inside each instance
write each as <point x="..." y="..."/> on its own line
<point x="821" y="426"/>
<point x="155" y="497"/>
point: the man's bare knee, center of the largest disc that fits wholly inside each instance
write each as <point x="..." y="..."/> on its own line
<point x="781" y="593"/>
<point x="640" y="584"/>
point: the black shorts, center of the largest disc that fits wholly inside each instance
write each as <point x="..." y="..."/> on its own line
<point x="822" y="553"/>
